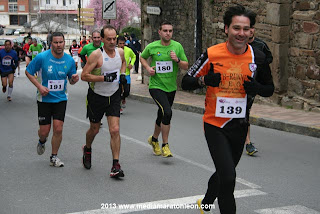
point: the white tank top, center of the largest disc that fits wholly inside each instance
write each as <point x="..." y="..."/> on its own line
<point x="109" y="65"/>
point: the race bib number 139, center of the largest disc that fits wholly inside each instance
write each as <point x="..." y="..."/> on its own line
<point x="231" y="107"/>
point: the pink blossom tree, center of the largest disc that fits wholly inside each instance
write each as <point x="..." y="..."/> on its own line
<point x="126" y="10"/>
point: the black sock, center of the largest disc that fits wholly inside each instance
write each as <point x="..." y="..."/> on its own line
<point x="52" y="155"/>
<point x="115" y="161"/>
<point x="164" y="144"/>
<point x="87" y="149"/>
<point x="154" y="139"/>
<point x="43" y="142"/>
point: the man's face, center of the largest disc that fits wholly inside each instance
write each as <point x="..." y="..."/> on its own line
<point x="29" y="41"/>
<point x="7" y="46"/>
<point x="35" y="42"/>
<point x="57" y="44"/>
<point x="238" y="32"/>
<point x="166" y="32"/>
<point x="121" y="44"/>
<point x="252" y="30"/>
<point x="74" y="43"/>
<point x="84" y="38"/>
<point x="96" y="38"/>
<point x="110" y="39"/>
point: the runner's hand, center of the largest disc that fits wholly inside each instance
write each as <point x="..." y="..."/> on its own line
<point x="152" y="71"/>
<point x="74" y="78"/>
<point x="252" y="87"/>
<point x="43" y="91"/>
<point x="212" y="79"/>
<point x="110" y="77"/>
<point x="123" y="79"/>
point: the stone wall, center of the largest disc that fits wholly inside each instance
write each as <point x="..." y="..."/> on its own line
<point x="290" y="28"/>
<point x="180" y="14"/>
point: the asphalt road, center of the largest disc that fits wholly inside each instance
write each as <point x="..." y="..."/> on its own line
<point x="283" y="178"/>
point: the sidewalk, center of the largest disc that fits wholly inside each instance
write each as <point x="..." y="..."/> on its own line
<point x="289" y="120"/>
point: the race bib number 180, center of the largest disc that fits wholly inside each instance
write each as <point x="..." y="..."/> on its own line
<point x="164" y="66"/>
<point x="231" y="107"/>
<point x="56" y="85"/>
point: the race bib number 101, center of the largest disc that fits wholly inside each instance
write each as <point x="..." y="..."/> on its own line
<point x="56" y="85"/>
<point x="231" y="107"/>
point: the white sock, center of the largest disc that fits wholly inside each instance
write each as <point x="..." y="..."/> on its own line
<point x="10" y="91"/>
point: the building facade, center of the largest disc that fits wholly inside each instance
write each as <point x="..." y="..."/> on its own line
<point x="14" y="12"/>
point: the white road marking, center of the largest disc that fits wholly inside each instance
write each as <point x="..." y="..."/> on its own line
<point x="167" y="203"/>
<point x="239" y="180"/>
<point x="297" y="209"/>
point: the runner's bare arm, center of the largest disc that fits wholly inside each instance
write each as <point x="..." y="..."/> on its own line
<point x="145" y="64"/>
<point x="92" y="63"/>
<point x="182" y="64"/>
<point x="43" y="90"/>
<point x="124" y="64"/>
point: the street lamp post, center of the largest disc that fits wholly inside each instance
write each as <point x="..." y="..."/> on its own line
<point x="79" y="16"/>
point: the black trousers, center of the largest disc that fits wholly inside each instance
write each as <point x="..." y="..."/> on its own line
<point x="136" y="63"/>
<point x="226" y="147"/>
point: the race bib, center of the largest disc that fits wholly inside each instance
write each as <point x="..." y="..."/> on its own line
<point x="35" y="52"/>
<point x="164" y="67"/>
<point x="231" y="107"/>
<point x="109" y="72"/>
<point x="56" y="85"/>
<point x="6" y="62"/>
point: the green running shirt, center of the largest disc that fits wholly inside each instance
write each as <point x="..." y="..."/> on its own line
<point x="165" y="77"/>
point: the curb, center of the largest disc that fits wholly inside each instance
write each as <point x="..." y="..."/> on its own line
<point x="254" y="120"/>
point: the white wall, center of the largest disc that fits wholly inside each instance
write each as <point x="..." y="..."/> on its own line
<point x="54" y="6"/>
<point x="5" y="19"/>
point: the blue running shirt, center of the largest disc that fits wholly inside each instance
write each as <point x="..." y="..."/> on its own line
<point x="52" y="73"/>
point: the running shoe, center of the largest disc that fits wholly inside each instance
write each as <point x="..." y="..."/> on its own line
<point x="56" y="162"/>
<point x="9" y="98"/>
<point x="121" y="111"/>
<point x="251" y="149"/>
<point x="199" y="202"/>
<point x="155" y="146"/>
<point x="4" y="89"/>
<point x="123" y="104"/>
<point x="166" y="151"/>
<point x="116" y="171"/>
<point x="41" y="148"/>
<point x="86" y="158"/>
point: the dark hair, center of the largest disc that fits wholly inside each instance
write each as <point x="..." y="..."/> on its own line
<point x="121" y="38"/>
<point x="74" y="40"/>
<point x="165" y="22"/>
<point x="95" y="31"/>
<point x="56" y="34"/>
<point x="8" y="40"/>
<point x="238" y="10"/>
<point x="110" y="27"/>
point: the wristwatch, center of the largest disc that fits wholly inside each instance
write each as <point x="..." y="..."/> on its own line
<point x="178" y="60"/>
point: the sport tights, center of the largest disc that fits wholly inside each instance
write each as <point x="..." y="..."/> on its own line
<point x="225" y="146"/>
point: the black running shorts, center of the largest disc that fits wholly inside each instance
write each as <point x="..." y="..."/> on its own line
<point x="6" y="74"/>
<point x="46" y="111"/>
<point x="98" y="105"/>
